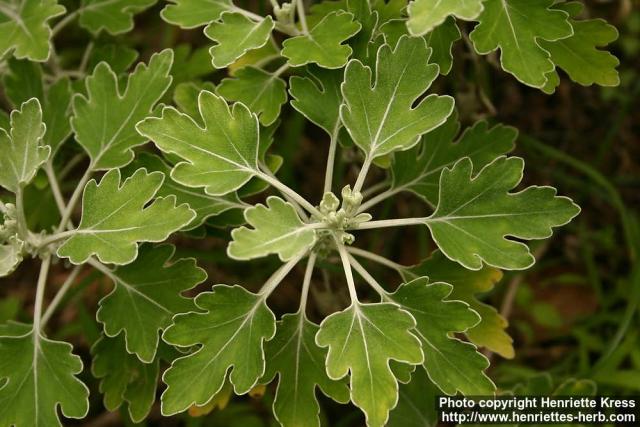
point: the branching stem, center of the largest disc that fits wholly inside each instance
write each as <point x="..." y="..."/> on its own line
<point x="331" y="158"/>
<point x="42" y="283"/>
<point x="368" y="277"/>
<point x="385" y="223"/>
<point x="61" y="293"/>
<point x="285" y="190"/>
<point x="66" y="216"/>
<point x="377" y="199"/>
<point x="363" y="173"/>
<point x="306" y="283"/>
<point x="346" y="265"/>
<point x="276" y="278"/>
<point x="376" y="258"/>
<point x="302" y="17"/>
<point x="55" y="187"/>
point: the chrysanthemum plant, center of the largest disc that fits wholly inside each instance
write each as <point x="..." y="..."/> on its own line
<point x="164" y="159"/>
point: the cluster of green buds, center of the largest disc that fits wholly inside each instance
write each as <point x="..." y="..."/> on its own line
<point x="339" y="217"/>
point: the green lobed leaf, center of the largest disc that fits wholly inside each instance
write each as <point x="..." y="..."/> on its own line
<point x="475" y="214"/>
<point x="114" y="16"/>
<point x="235" y="34"/>
<point x="25" y="28"/>
<point x="23" y="151"/>
<point x="147" y="294"/>
<point x="441" y="41"/>
<point x="11" y="255"/>
<point x="425" y="15"/>
<point x="229" y="332"/>
<point x="262" y="92"/>
<point x="517" y="27"/>
<point x="24" y="81"/>
<point x="293" y="355"/>
<point x="451" y="364"/>
<point x="120" y="57"/>
<point x="194" y="13"/>
<point x="381" y="119"/>
<point x="104" y="121"/>
<point x="418" y="170"/>
<point x="4" y="120"/>
<point x="368" y="19"/>
<point x="277" y="229"/>
<point x="185" y="96"/>
<point x="123" y="378"/>
<point x="318" y="97"/>
<point x="222" y="156"/>
<point x="117" y="216"/>
<point x="363" y="339"/>
<point x="324" y="43"/>
<point x="38" y="375"/>
<point x="490" y="332"/>
<point x="579" y="55"/>
<point x="204" y="205"/>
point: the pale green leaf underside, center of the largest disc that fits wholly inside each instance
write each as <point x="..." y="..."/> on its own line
<point x="37" y="376"/>
<point x="230" y="333"/>
<point x="381" y="119"/>
<point x="10" y="256"/>
<point x="104" y="121"/>
<point x="235" y="34"/>
<point x="294" y="356"/>
<point x="476" y="213"/>
<point x="147" y="294"/>
<point x="222" y="156"/>
<point x="123" y="378"/>
<point x="362" y="340"/>
<point x="324" y="43"/>
<point x="452" y="365"/>
<point x="114" y="16"/>
<point x="22" y="148"/>
<point x="425" y="15"/>
<point x="516" y="27"/>
<point x="194" y="13"/>
<point x="262" y="92"/>
<point x="116" y="217"/>
<point x="277" y="229"/>
<point x="25" y="29"/>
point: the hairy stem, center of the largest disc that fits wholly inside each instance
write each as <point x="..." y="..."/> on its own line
<point x="75" y="197"/>
<point x="287" y="191"/>
<point x="377" y="199"/>
<point x="376" y="258"/>
<point x="42" y="283"/>
<point x="61" y="293"/>
<point x="65" y="21"/>
<point x="55" y="238"/>
<point x="370" y="191"/>
<point x="368" y="277"/>
<point x="363" y="173"/>
<point x="306" y="283"/>
<point x="385" y="223"/>
<point x="301" y="16"/>
<point x="23" y="230"/>
<point x="331" y="159"/>
<point x="276" y="278"/>
<point x="55" y="188"/>
<point x="346" y="265"/>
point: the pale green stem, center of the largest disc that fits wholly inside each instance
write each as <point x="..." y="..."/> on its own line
<point x="285" y="190"/>
<point x="370" y="191"/>
<point x="274" y="4"/>
<point x="56" y="238"/>
<point x="363" y="174"/>
<point x="66" y="216"/>
<point x="344" y="257"/>
<point x="331" y="158"/>
<point x="277" y="73"/>
<point x="301" y="16"/>
<point x="376" y="258"/>
<point x="22" y="219"/>
<point x="377" y="199"/>
<point x="85" y="58"/>
<point x="55" y="188"/>
<point x="301" y="212"/>
<point x="61" y="293"/>
<point x="42" y="283"/>
<point x="276" y="278"/>
<point x="68" y="167"/>
<point x="65" y="21"/>
<point x="306" y="283"/>
<point x="385" y="223"/>
<point x="368" y="278"/>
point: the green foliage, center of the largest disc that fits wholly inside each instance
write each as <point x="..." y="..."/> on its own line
<point x="186" y="147"/>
